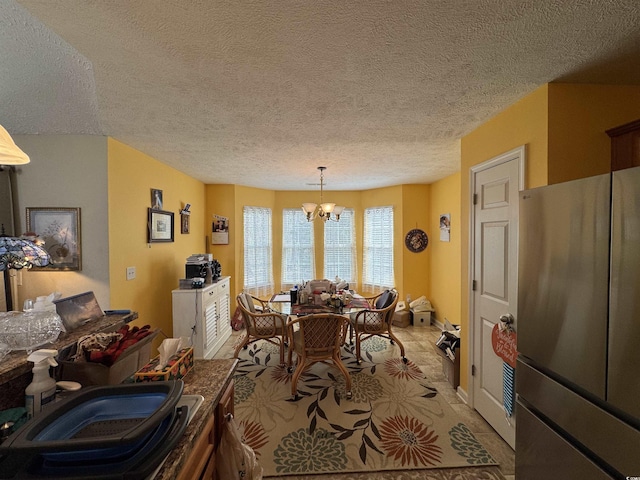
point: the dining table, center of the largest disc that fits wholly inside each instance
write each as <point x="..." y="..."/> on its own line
<point x="281" y="303"/>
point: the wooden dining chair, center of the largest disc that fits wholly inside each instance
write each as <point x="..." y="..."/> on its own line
<point x="261" y="324"/>
<point x="375" y="320"/>
<point x="316" y="338"/>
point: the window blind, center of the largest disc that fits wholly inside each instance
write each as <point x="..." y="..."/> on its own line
<point x="340" y="248"/>
<point x="377" y="255"/>
<point x="298" y="254"/>
<point x="258" y="271"/>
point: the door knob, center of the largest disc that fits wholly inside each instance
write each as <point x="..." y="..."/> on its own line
<point x="507" y="319"/>
<point x="506" y="323"/>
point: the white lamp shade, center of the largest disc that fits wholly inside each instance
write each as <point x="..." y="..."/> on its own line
<point x="10" y="154"/>
<point x="327" y="207"/>
<point x="337" y="210"/>
<point x="309" y="207"/>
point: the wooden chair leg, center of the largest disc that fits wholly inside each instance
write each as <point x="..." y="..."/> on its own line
<point x="282" y="350"/>
<point x="394" y="338"/>
<point x="290" y="356"/>
<point x="345" y="372"/>
<point x="240" y="346"/>
<point x="296" y="376"/>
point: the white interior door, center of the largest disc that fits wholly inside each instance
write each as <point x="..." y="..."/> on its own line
<point x="495" y="186"/>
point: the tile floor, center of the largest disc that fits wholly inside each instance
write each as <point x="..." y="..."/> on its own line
<point x="418" y="342"/>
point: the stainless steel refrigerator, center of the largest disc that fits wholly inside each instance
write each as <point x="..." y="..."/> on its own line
<point x="578" y="370"/>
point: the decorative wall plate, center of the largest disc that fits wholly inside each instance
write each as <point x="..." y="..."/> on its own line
<point x="416" y="240"/>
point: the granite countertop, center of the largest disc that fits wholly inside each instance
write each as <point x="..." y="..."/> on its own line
<point x="16" y="364"/>
<point x="208" y="378"/>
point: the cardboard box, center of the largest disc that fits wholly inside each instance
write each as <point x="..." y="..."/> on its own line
<point x="450" y="368"/>
<point x="401" y="318"/>
<point x="177" y="367"/>
<point x="421" y="319"/>
<point x="91" y="373"/>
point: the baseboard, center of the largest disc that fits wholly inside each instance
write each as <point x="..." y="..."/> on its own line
<point x="436" y="322"/>
<point x="462" y="394"/>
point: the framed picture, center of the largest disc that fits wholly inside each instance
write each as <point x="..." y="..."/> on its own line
<point x="156" y="199"/>
<point x="445" y="227"/>
<point x="220" y="230"/>
<point x="60" y="230"/>
<point x="184" y="222"/>
<point x="159" y="226"/>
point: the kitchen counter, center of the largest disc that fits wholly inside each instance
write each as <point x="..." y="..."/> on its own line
<point x="15" y="364"/>
<point x="208" y="378"/>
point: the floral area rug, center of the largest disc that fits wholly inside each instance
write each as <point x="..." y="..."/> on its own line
<point x="394" y="421"/>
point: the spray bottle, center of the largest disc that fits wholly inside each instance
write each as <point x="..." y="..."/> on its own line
<point x="42" y="389"/>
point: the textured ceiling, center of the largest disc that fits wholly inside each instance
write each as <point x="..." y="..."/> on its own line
<point x="260" y="93"/>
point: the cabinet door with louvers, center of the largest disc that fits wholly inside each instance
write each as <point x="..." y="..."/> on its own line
<point x="203" y="316"/>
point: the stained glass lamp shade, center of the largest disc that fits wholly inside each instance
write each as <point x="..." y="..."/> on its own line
<point x="19" y="253"/>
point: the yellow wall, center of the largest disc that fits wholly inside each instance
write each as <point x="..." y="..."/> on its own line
<point x="444" y="271"/>
<point x="579" y="115"/>
<point x="524" y="123"/>
<point x="414" y="212"/>
<point x="132" y="175"/>
<point x="220" y="200"/>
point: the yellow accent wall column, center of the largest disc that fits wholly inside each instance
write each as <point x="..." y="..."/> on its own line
<point x="445" y="271"/>
<point x="415" y="212"/>
<point x="159" y="266"/>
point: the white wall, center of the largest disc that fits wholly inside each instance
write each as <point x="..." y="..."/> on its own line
<point x="68" y="171"/>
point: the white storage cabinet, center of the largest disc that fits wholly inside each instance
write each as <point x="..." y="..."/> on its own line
<point x="203" y="316"/>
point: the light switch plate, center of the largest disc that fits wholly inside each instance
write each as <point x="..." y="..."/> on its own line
<point x="131" y="273"/>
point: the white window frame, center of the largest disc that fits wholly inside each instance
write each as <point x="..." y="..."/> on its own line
<point x="377" y="248"/>
<point x="340" y="248"/>
<point x="298" y="249"/>
<point x="258" y="251"/>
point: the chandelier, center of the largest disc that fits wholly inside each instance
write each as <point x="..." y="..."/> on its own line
<point x="324" y="210"/>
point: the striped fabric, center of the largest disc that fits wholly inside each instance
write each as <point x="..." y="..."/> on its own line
<point x="509" y="388"/>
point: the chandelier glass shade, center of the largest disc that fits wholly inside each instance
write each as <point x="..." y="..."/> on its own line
<point x="324" y="210"/>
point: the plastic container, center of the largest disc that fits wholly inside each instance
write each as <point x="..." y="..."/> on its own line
<point x="103" y="422"/>
<point x="29" y="330"/>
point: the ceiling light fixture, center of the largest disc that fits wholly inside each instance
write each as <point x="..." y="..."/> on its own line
<point x="324" y="210"/>
<point x="10" y="154"/>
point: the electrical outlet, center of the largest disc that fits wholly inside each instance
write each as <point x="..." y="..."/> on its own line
<point x="131" y="273"/>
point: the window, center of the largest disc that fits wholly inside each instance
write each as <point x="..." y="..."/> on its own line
<point x="297" y="248"/>
<point x="258" y="272"/>
<point x="377" y="261"/>
<point x="340" y="248"/>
